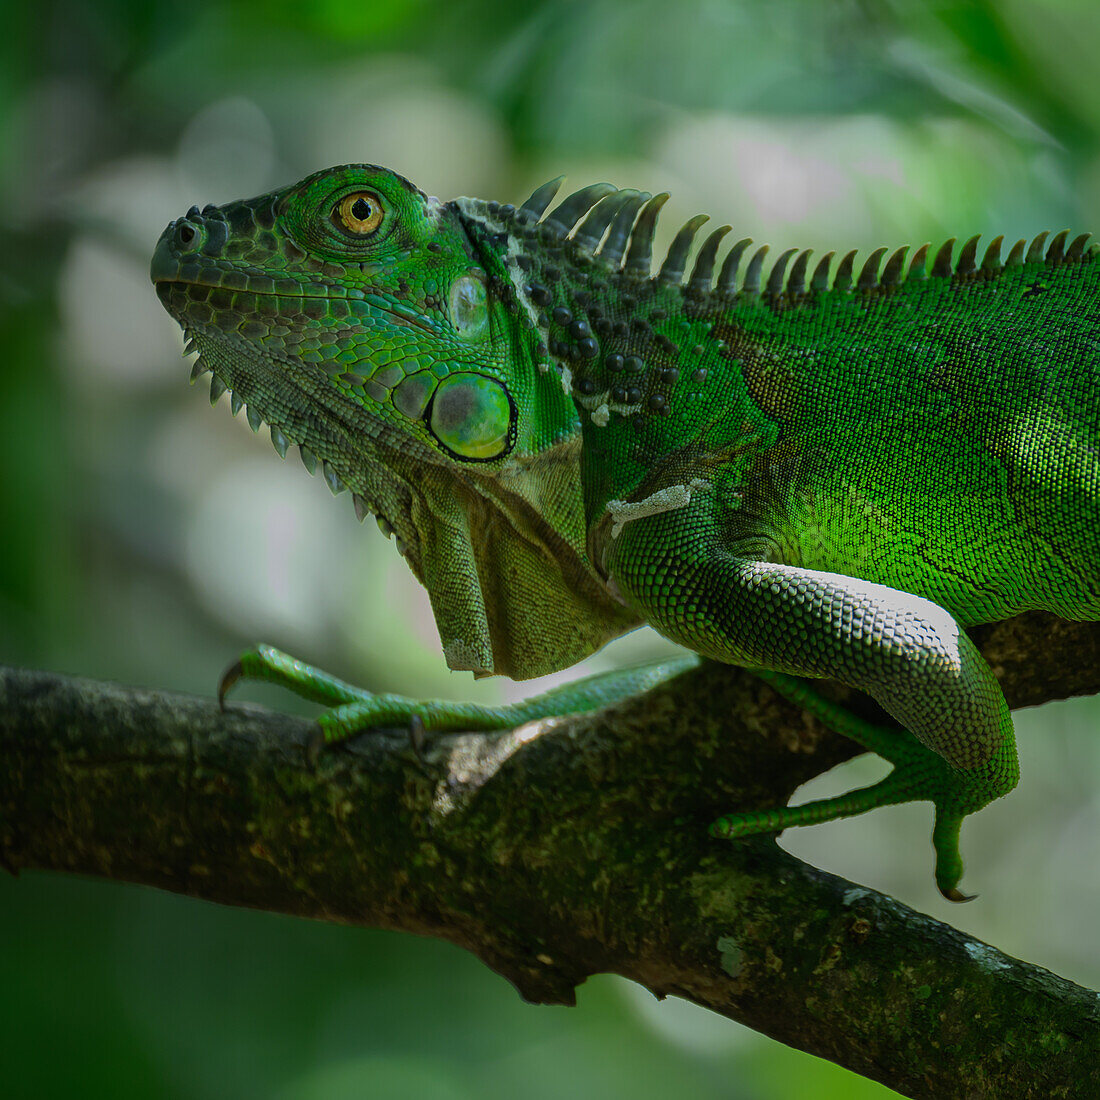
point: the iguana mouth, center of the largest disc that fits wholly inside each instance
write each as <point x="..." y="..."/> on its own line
<point x="165" y="286"/>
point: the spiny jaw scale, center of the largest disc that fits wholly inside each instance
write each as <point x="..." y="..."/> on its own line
<point x="281" y="440"/>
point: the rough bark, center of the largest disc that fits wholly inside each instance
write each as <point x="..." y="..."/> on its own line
<point x="561" y="849"/>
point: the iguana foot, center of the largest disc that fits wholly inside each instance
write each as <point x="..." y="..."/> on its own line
<point x="354" y="710"/>
<point x="270" y="664"/>
<point x="904" y="784"/>
<point x="918" y="775"/>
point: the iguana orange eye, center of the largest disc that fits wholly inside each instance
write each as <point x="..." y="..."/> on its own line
<point x="359" y="213"/>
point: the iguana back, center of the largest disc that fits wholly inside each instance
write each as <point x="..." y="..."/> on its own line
<point x="941" y="436"/>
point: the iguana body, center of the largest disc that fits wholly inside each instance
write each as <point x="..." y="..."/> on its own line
<point x="808" y="475"/>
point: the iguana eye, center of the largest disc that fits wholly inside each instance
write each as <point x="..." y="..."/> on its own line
<point x="471" y="416"/>
<point x="359" y="213"/>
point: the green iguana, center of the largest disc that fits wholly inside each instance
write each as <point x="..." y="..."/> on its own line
<point x="811" y="476"/>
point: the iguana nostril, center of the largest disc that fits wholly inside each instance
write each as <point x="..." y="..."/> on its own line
<point x="185" y="234"/>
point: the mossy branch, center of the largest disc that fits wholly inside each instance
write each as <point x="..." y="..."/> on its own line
<point x="562" y="849"/>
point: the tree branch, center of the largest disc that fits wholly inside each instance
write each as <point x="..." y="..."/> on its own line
<point x="561" y="849"/>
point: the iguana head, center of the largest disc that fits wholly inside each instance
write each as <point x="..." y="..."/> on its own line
<point x="383" y="332"/>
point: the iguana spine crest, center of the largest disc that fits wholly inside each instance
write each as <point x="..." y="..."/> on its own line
<point x="625" y="219"/>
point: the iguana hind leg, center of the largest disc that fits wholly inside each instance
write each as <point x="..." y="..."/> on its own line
<point x="958" y="750"/>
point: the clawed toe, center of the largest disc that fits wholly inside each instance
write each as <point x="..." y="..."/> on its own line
<point x="954" y="894"/>
<point x="228" y="678"/>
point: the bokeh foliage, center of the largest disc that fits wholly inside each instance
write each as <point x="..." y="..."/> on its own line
<point x="146" y="538"/>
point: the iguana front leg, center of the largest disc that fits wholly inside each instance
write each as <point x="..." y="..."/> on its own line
<point x="906" y="652"/>
<point x="354" y="710"/>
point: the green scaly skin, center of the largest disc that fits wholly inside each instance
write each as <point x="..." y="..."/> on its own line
<point x="811" y="476"/>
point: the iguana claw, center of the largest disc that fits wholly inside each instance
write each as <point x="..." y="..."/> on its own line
<point x="228" y="678"/>
<point x="954" y="894"/>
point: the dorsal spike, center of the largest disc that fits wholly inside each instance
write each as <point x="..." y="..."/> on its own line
<point x="820" y="280"/>
<point x="1057" y="251"/>
<point x="941" y="265"/>
<point x="778" y="273"/>
<point x="991" y="262"/>
<point x="566" y="214"/>
<point x="727" y="277"/>
<point x="918" y="265"/>
<point x="543" y="196"/>
<point x="639" y="255"/>
<point x="592" y="229"/>
<point x="702" y="275"/>
<point x="1076" y="250"/>
<point x="891" y="273"/>
<point x="1016" y="254"/>
<point x="966" y="265"/>
<point x="672" y="270"/>
<point x="279" y="440"/>
<point x="615" y="243"/>
<point x="1035" y="250"/>
<point x="868" y="277"/>
<point x="843" y="278"/>
<point x="796" y="284"/>
<point x="751" y="285"/>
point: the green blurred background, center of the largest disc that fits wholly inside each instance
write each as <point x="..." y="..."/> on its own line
<point x="145" y="538"/>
